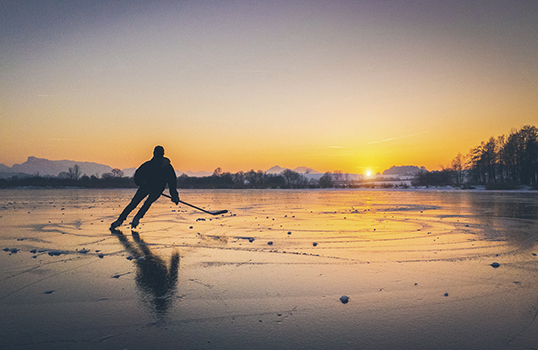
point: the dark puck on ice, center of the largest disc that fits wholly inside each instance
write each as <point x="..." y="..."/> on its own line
<point x="495" y="265"/>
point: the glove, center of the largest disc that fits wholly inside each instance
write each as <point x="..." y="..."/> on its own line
<point x="175" y="198"/>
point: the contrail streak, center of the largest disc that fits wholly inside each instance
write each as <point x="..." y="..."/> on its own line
<point x="396" y="138"/>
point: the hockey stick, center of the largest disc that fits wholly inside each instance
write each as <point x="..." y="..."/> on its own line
<point x="212" y="212"/>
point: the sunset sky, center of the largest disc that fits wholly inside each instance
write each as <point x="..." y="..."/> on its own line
<point x="333" y="85"/>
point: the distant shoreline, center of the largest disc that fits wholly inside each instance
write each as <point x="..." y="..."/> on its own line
<point x="525" y="189"/>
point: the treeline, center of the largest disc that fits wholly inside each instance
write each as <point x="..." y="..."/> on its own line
<point x="218" y="180"/>
<point x="503" y="162"/>
<point x="83" y="182"/>
<point x="244" y="180"/>
<point x="71" y="178"/>
<point x="115" y="179"/>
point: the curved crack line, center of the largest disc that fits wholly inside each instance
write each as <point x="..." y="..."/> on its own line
<point x="44" y="278"/>
<point x="526" y="328"/>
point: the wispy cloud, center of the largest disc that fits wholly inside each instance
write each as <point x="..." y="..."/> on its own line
<point x="397" y="138"/>
<point x="343" y="154"/>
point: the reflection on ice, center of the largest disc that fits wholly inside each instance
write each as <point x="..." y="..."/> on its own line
<point x="154" y="278"/>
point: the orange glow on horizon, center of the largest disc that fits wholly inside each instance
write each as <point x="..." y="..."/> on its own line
<point x="353" y="89"/>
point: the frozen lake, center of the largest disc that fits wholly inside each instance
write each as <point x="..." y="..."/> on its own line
<point x="269" y="274"/>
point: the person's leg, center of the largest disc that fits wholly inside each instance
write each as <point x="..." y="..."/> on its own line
<point x="137" y="198"/>
<point x="153" y="196"/>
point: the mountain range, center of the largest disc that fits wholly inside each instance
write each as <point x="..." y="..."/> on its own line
<point x="45" y="167"/>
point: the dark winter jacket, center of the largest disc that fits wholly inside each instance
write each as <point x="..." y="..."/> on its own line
<point x="154" y="174"/>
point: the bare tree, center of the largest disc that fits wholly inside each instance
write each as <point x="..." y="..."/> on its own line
<point x="117" y="173"/>
<point x="458" y="167"/>
<point x="217" y="172"/>
<point x="338" y="178"/>
<point x="326" y="181"/>
<point x="74" y="172"/>
<point x="294" y="179"/>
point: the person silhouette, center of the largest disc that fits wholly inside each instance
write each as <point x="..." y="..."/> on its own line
<point x="151" y="177"/>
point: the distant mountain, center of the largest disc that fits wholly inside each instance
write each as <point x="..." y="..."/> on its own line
<point x="403" y="170"/>
<point x="275" y="170"/>
<point x="305" y="170"/>
<point x="129" y="172"/>
<point x="197" y="173"/>
<point x="301" y="170"/>
<point x="45" y="167"/>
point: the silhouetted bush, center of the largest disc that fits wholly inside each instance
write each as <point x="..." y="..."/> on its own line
<point x="433" y="178"/>
<point x="61" y="182"/>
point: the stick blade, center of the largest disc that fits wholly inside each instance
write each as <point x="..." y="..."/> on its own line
<point x="218" y="212"/>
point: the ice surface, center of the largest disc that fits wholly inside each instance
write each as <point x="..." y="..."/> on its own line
<point x="415" y="265"/>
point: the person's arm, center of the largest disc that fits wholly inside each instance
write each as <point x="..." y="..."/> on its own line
<point x="172" y="185"/>
<point x="141" y="175"/>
